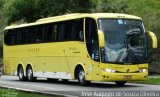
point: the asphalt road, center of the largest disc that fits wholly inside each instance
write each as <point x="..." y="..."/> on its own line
<point x="72" y="88"/>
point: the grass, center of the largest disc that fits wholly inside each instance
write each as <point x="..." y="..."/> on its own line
<point x="15" y="93"/>
<point x="155" y="80"/>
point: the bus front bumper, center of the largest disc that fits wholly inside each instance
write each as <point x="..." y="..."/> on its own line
<point x="123" y="76"/>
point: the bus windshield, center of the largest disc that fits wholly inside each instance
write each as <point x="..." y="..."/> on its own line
<point x="125" y="41"/>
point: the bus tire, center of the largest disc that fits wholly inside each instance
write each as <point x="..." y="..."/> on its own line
<point x="21" y="73"/>
<point x="120" y="83"/>
<point x="81" y="77"/>
<point x="29" y="74"/>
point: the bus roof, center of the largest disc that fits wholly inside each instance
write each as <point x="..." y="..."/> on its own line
<point x="74" y="16"/>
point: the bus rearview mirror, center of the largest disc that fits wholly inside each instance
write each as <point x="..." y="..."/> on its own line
<point x="101" y="38"/>
<point x="154" y="41"/>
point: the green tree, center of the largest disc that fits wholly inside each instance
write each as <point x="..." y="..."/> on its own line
<point x="2" y="20"/>
<point x="16" y="10"/>
<point x="1" y="3"/>
<point x="31" y="10"/>
<point x="2" y="25"/>
<point x="113" y="6"/>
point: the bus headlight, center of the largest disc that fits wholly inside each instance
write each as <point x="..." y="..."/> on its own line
<point x="108" y="70"/>
<point x="143" y="70"/>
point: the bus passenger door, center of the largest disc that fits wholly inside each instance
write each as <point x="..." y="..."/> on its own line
<point x="92" y="44"/>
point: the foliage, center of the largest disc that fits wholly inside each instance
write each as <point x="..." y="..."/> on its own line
<point x="1" y="3"/>
<point x="2" y="21"/>
<point x="113" y="6"/>
<point x="59" y="7"/>
<point x="31" y="10"/>
<point x="4" y="92"/>
<point x="16" y="10"/>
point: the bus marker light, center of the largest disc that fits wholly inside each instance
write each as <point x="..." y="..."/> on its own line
<point x="143" y="70"/>
<point x="108" y="70"/>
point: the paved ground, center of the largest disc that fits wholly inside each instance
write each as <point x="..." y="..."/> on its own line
<point x="72" y="88"/>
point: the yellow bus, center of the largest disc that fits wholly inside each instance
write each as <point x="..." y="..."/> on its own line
<point x="87" y="47"/>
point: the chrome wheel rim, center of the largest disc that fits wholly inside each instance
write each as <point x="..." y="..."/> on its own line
<point x="81" y="76"/>
<point x="29" y="74"/>
<point x="20" y="73"/>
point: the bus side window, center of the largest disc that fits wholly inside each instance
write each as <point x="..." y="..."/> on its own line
<point x="61" y="31"/>
<point x="50" y="33"/>
<point x="24" y="36"/>
<point x="80" y="30"/>
<point x="53" y="32"/>
<point x="92" y="39"/>
<point x="67" y="36"/>
<point x="76" y="30"/>
<point x="41" y="36"/>
<point x="18" y="37"/>
<point x="13" y="37"/>
<point x="7" y="37"/>
<point x="73" y="30"/>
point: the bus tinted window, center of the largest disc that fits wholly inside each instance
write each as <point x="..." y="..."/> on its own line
<point x="71" y="30"/>
<point x="50" y="32"/>
<point x="92" y="39"/>
<point x="61" y="31"/>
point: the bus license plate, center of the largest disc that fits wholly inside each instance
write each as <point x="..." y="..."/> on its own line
<point x="127" y="77"/>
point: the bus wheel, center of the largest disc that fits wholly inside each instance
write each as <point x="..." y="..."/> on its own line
<point x="120" y="83"/>
<point x="81" y="77"/>
<point x="30" y="74"/>
<point x="21" y="73"/>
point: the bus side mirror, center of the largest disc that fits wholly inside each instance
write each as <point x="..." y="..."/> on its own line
<point x="101" y="38"/>
<point x="154" y="41"/>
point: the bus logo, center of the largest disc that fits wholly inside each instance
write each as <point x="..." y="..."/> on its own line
<point x="127" y="70"/>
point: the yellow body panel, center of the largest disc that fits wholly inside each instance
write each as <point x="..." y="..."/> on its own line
<point x="46" y="57"/>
